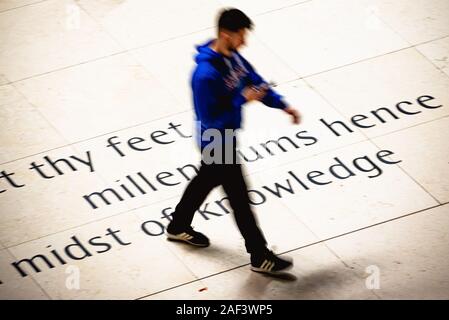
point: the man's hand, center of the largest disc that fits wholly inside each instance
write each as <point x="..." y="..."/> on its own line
<point x="253" y="93"/>
<point x="296" y="117"/>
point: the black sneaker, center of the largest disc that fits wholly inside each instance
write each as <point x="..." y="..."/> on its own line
<point x="269" y="263"/>
<point x="189" y="236"/>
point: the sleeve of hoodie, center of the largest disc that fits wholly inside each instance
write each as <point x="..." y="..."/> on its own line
<point x="272" y="99"/>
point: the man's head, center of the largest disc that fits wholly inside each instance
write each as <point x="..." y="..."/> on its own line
<point x="232" y="27"/>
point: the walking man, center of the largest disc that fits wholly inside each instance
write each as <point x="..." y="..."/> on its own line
<point x="222" y="83"/>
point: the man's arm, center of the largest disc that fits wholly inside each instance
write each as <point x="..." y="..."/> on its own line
<point x="268" y="96"/>
<point x="271" y="98"/>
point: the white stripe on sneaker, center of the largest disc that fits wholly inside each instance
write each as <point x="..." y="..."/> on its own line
<point x="269" y="266"/>
<point x="184" y="236"/>
<point x="264" y="264"/>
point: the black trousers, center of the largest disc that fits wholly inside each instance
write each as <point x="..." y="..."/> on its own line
<point x="231" y="178"/>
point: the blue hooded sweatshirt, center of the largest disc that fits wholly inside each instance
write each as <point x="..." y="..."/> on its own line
<point x="217" y="84"/>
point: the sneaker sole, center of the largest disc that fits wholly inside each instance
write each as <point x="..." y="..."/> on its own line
<point x="260" y="270"/>
<point x="172" y="237"/>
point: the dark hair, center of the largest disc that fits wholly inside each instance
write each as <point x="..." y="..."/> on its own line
<point x="233" y="20"/>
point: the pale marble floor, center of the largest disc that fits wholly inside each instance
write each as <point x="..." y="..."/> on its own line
<point x="371" y="78"/>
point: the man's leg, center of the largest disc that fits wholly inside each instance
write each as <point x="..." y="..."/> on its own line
<point x="262" y="259"/>
<point x="192" y="198"/>
<point x="236" y="189"/>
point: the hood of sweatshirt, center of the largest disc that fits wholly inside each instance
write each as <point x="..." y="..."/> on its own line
<point x="205" y="53"/>
<point x="230" y="69"/>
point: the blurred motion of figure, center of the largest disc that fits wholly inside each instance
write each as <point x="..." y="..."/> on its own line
<point x="222" y="82"/>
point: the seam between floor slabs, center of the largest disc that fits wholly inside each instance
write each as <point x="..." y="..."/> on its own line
<point x="177" y="195"/>
<point x="189" y="110"/>
<point x="298" y="248"/>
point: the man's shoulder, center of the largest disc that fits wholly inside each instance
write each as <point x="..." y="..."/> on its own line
<point x="205" y="71"/>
